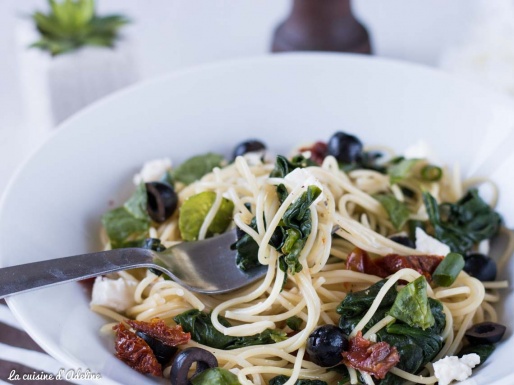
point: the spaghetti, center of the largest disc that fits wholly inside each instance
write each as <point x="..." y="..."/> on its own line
<point x="346" y="205"/>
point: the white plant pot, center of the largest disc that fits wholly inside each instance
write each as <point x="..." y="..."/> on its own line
<point x="53" y="88"/>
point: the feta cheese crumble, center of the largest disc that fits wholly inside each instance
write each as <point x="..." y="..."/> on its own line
<point x="430" y="245"/>
<point x="300" y="176"/>
<point x="453" y="368"/>
<point x="116" y="294"/>
<point x="152" y="171"/>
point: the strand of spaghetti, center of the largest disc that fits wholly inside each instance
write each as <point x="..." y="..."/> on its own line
<point x="412" y="377"/>
<point x="509" y="250"/>
<point x="445" y="293"/>
<point x="107" y="312"/>
<point x="489" y="309"/>
<point x="244" y="170"/>
<point x="367" y="378"/>
<point x="379" y="326"/>
<point x="496" y="285"/>
<point x="138" y="294"/>
<point x="458" y="337"/>
<point x="353" y="376"/>
<point x="401" y="274"/>
<point x="213" y="210"/>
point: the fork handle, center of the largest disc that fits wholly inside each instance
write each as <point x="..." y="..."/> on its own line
<point x="30" y="276"/>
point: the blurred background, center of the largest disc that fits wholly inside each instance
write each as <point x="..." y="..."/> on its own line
<point x="472" y="38"/>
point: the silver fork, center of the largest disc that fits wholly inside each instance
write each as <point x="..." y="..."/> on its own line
<point x="207" y="266"/>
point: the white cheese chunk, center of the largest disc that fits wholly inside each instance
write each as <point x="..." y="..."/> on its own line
<point x="116" y="294"/>
<point x="430" y="245"/>
<point x="300" y="176"/>
<point x="254" y="158"/>
<point x="453" y="368"/>
<point x="152" y="171"/>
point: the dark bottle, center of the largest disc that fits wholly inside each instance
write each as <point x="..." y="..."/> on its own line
<point x="321" y="25"/>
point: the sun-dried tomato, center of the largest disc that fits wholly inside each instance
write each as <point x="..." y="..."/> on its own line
<point x="423" y="264"/>
<point x="360" y="261"/>
<point x="157" y="328"/>
<point x="135" y="352"/>
<point x="318" y="151"/>
<point x="373" y="358"/>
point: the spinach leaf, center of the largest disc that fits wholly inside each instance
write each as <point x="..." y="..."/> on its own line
<point x="280" y="380"/>
<point x="128" y="226"/>
<point x="297" y="224"/>
<point x="357" y="303"/>
<point x="397" y="211"/>
<point x="247" y="249"/>
<point x="196" y="167"/>
<point x="294" y="323"/>
<point x="215" y="376"/>
<point x="411" y="305"/>
<point x="401" y="169"/>
<point x="194" y="210"/>
<point x="203" y="331"/>
<point x="465" y="223"/>
<point x="283" y="166"/>
<point x="483" y="350"/>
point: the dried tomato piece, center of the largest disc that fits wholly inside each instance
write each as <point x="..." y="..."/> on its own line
<point x="135" y="352"/>
<point x="318" y="151"/>
<point x="373" y="358"/>
<point x="423" y="264"/>
<point x="157" y="328"/>
<point x="360" y="261"/>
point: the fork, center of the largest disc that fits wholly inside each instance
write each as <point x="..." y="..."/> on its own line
<point x="207" y="266"/>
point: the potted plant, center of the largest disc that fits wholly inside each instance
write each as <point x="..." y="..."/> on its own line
<point x="76" y="56"/>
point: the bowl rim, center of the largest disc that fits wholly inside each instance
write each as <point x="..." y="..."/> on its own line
<point x="293" y="57"/>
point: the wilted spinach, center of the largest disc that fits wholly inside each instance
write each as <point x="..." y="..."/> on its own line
<point x="215" y="376"/>
<point x="401" y="169"/>
<point x="283" y="166"/>
<point x="461" y="225"/>
<point x="294" y="323"/>
<point x="397" y="211"/>
<point x="483" y="350"/>
<point x="280" y="380"/>
<point x="203" y="331"/>
<point x="415" y="346"/>
<point x="196" y="167"/>
<point x="411" y="305"/>
<point x="128" y="225"/>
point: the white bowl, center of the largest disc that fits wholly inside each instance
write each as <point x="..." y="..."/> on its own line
<point x="52" y="207"/>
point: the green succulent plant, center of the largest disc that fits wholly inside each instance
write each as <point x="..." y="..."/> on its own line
<point x="72" y="24"/>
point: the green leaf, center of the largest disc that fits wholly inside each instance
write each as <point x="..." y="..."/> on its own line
<point x="202" y="331"/>
<point x="483" y="350"/>
<point x="465" y="223"/>
<point x="431" y="173"/>
<point x="358" y="302"/>
<point x="194" y="210"/>
<point x="247" y="250"/>
<point x="448" y="270"/>
<point x="411" y="305"/>
<point x="281" y="380"/>
<point x="196" y="167"/>
<point x="397" y="211"/>
<point x="73" y="24"/>
<point x="294" y="323"/>
<point x="284" y="166"/>
<point x="215" y="376"/>
<point x="401" y="170"/>
<point x="128" y="226"/>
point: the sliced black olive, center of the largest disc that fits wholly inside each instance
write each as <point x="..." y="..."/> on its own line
<point x="403" y="240"/>
<point x="247" y="146"/>
<point x="326" y="344"/>
<point x="162" y="352"/>
<point x="155" y="245"/>
<point x="162" y="201"/>
<point x="185" y="359"/>
<point x="480" y="266"/>
<point x="485" y="333"/>
<point x="344" y="147"/>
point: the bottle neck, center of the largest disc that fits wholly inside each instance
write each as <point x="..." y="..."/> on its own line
<point x="317" y="10"/>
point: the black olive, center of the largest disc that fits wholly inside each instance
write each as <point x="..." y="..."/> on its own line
<point x="247" y="146"/>
<point x="162" y="352"/>
<point x="153" y="244"/>
<point x="403" y="240"/>
<point x="162" y="201"/>
<point x="326" y="344"/>
<point x="345" y="148"/>
<point x="185" y="359"/>
<point x="480" y="266"/>
<point x="485" y="333"/>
